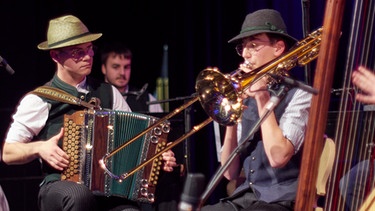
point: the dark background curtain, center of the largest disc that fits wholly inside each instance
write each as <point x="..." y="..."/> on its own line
<point x="196" y="32"/>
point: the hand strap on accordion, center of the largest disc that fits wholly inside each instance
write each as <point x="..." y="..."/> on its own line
<point x="62" y="96"/>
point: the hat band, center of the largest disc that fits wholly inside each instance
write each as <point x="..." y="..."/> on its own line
<point x="67" y="40"/>
<point x="267" y="26"/>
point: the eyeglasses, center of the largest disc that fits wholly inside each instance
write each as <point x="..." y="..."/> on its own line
<point x="78" y="53"/>
<point x="250" y="47"/>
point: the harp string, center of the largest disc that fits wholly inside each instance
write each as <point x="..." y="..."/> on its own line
<point x="354" y="135"/>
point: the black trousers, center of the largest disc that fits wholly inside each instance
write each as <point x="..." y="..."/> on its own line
<point x="247" y="202"/>
<point x="66" y="195"/>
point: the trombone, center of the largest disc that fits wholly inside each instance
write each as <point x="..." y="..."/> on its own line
<point x="219" y="94"/>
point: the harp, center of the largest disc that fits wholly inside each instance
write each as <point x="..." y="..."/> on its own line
<point x="355" y="122"/>
<point x="354" y="131"/>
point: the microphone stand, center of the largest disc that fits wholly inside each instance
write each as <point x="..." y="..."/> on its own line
<point x="187" y="124"/>
<point x="244" y="143"/>
<point x="306" y="31"/>
<point x="172" y="99"/>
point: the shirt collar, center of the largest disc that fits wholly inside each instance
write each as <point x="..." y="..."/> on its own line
<point x="82" y="86"/>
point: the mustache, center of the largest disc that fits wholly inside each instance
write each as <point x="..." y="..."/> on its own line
<point x="120" y="77"/>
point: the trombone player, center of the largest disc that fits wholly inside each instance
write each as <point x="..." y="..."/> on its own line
<point x="271" y="163"/>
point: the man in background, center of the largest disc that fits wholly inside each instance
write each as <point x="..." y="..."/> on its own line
<point x="37" y="124"/>
<point x="116" y="62"/>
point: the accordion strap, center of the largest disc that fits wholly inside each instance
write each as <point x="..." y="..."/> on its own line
<point x="62" y="96"/>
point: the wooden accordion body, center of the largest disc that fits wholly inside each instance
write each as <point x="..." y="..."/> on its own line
<point x="91" y="134"/>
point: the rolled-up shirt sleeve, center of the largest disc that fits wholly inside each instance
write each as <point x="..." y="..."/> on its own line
<point x="293" y="122"/>
<point x="28" y="120"/>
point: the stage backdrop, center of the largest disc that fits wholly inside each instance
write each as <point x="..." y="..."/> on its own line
<point x="196" y="32"/>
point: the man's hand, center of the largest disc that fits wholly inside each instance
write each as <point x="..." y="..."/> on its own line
<point x="169" y="160"/>
<point x="364" y="79"/>
<point x="53" y="154"/>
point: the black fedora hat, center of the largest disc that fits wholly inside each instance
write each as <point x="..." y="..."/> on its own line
<point x="264" y="21"/>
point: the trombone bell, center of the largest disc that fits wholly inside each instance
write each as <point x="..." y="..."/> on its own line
<point x="218" y="95"/>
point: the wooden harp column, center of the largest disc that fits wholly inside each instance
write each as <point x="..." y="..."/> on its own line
<point x="319" y="106"/>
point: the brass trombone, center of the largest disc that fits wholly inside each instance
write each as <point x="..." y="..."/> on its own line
<point x="219" y="94"/>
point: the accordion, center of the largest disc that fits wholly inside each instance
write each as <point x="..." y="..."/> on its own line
<point x="91" y="134"/>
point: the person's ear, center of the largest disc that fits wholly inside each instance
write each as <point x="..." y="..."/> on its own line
<point x="55" y="55"/>
<point x="279" y="47"/>
<point x="104" y="70"/>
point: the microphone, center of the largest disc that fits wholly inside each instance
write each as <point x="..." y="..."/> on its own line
<point x="137" y="93"/>
<point x="190" y="198"/>
<point x="295" y="83"/>
<point x="4" y="63"/>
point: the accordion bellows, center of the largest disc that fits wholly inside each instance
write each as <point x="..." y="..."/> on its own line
<point x="91" y="134"/>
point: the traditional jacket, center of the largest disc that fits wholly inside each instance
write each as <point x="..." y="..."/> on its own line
<point x="54" y="123"/>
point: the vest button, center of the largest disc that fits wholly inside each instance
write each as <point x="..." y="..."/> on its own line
<point x="82" y="97"/>
<point x="252" y="171"/>
<point x="252" y="158"/>
<point x="250" y="183"/>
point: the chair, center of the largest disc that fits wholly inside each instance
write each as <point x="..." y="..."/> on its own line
<point x="327" y="159"/>
<point x="369" y="203"/>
